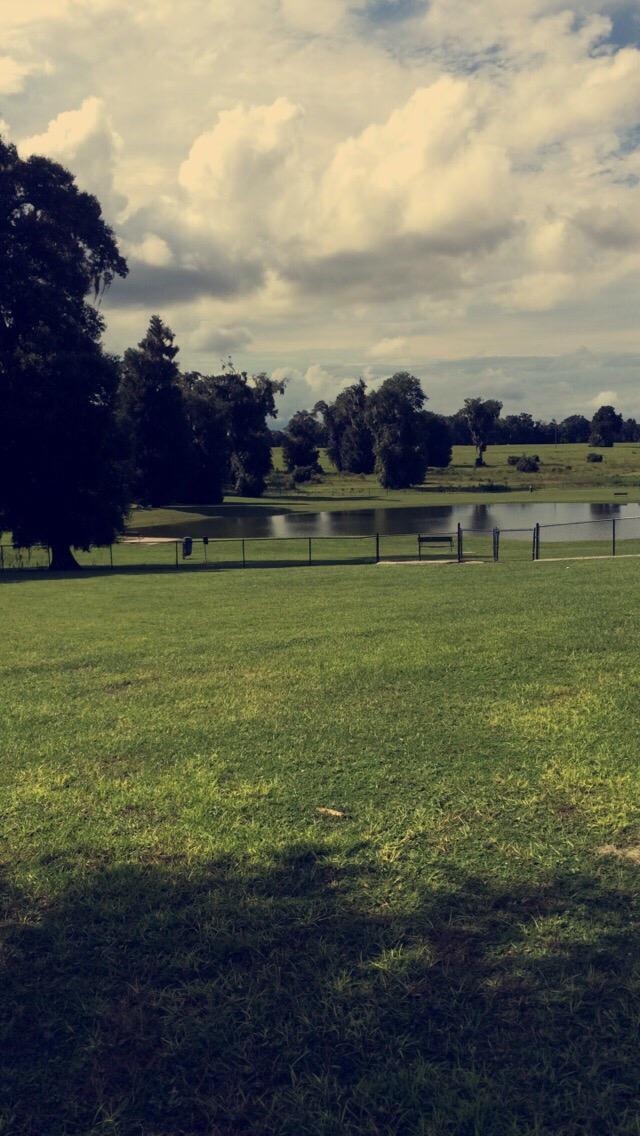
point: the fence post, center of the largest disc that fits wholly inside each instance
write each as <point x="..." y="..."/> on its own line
<point x="460" y="551"/>
<point x="177" y="562"/>
<point x="309" y="550"/>
<point x="613" y="536"/>
<point x="419" y="548"/>
<point x="377" y="548"/>
<point x="244" y="562"/>
<point x="111" y="556"/>
<point x="495" y="544"/>
<point x="537" y="540"/>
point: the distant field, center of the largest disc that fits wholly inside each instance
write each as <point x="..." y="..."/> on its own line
<point x="563" y="468"/>
<point x="335" y="853"/>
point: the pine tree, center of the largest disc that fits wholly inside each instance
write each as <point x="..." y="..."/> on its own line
<point x="152" y="413"/>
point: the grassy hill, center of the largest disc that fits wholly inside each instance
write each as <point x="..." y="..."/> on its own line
<point x="349" y="851"/>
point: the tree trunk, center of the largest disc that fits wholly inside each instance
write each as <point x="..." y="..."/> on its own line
<point x="62" y="559"/>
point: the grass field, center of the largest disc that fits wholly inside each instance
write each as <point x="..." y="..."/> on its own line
<point x="353" y="851"/>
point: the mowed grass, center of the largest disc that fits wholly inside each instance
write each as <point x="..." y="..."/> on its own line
<point x="349" y="851"/>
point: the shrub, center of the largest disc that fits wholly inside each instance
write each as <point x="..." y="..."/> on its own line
<point x="306" y="473"/>
<point x="594" y="457"/>
<point x="528" y="463"/>
<point x="513" y="459"/>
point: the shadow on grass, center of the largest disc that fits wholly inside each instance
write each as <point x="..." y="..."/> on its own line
<point x="24" y="575"/>
<point x="239" y="1001"/>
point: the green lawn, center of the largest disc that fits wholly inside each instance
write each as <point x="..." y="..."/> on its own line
<point x="189" y="944"/>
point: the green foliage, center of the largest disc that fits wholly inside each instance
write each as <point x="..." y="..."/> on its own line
<point x="209" y="457"/>
<point x="528" y="463"/>
<point x="301" y="474"/>
<point x="438" y="439"/>
<point x="349" y="438"/>
<point x="481" y="416"/>
<point x="152" y="413"/>
<point x="61" y="479"/>
<point x="575" y="428"/>
<point x="606" y="427"/>
<point x="399" y="428"/>
<point x="300" y="447"/>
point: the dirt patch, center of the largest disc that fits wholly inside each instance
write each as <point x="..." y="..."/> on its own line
<point x="631" y="853"/>
<point x="428" y="563"/>
<point x="149" y="539"/>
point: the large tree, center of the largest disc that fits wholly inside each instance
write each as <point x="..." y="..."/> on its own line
<point x="248" y="403"/>
<point x="606" y="427"/>
<point x="349" y="438"/>
<point x="438" y="438"/>
<point x="481" y="416"/>
<point x="575" y="428"/>
<point x="61" y="480"/>
<point x="208" y="468"/>
<point x="152" y="413"/>
<point x="300" y="448"/>
<point x="399" y="427"/>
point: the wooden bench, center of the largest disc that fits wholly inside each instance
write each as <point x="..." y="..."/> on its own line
<point x="441" y="539"/>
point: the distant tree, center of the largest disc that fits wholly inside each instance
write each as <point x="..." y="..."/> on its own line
<point x="208" y="468"/>
<point x="606" y="427"/>
<point x="400" y="431"/>
<point x="61" y="478"/>
<point x="438" y="437"/>
<point x="574" y="429"/>
<point x="301" y="441"/>
<point x="152" y="414"/>
<point x="516" y="430"/>
<point x="459" y="427"/>
<point x="481" y="416"/>
<point x="348" y="435"/>
<point x="248" y="402"/>
<point x="630" y="431"/>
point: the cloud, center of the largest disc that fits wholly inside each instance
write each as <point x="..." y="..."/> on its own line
<point x="12" y="75"/>
<point x="352" y="181"/>
<point x="391" y="348"/>
<point x="85" y="140"/>
<point x="220" y="340"/>
<point x="238" y="171"/>
<point x="604" y="398"/>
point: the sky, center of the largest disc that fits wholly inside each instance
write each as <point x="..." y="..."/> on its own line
<point x="329" y="189"/>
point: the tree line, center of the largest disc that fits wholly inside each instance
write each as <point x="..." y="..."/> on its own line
<point x="83" y="433"/>
<point x="387" y="430"/>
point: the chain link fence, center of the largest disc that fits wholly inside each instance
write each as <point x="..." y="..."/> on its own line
<point x="594" y="538"/>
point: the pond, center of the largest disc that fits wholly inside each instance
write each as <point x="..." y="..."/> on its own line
<point x="425" y="519"/>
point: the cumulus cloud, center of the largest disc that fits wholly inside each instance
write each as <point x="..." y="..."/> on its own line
<point x="386" y="182"/>
<point x="85" y="140"/>
<point x="220" y="340"/>
<point x="12" y="75"/>
<point x="238" y="172"/>
<point x="604" y="398"/>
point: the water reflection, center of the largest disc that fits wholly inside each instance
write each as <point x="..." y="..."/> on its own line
<point x="512" y="519"/>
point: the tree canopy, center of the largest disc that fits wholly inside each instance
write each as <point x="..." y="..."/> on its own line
<point x="481" y="416"/>
<point x="61" y="477"/>
<point x="400" y="431"/>
<point x="152" y="413"/>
